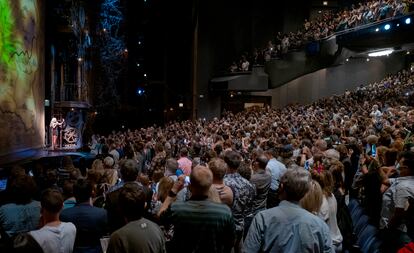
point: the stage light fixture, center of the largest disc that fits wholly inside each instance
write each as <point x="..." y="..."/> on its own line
<point x="145" y="75"/>
<point x="381" y="53"/>
<point x="325" y="3"/>
<point x="377" y="30"/>
<point x="181" y="105"/>
<point x="140" y="92"/>
<point x="398" y="24"/>
<point x="367" y="59"/>
<point x="387" y="27"/>
<point x="138" y="65"/>
<point x="347" y="59"/>
<point x="408" y="21"/>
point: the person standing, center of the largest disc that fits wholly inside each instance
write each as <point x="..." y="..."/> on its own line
<point x="139" y="235"/>
<point x="288" y="227"/>
<point x="276" y="169"/>
<point x="91" y="222"/>
<point x="200" y="225"/>
<point x="54" y="236"/>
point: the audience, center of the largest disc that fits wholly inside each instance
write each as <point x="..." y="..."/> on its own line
<point x="129" y="175"/>
<point x="288" y="227"/>
<point x="225" y="173"/>
<point x="23" y="213"/>
<point x="244" y="194"/>
<point x="276" y="170"/>
<point x="139" y="234"/>
<point x="218" y="167"/>
<point x="90" y="221"/>
<point x="324" y="25"/>
<point x="54" y="235"/>
<point x="200" y="225"/>
<point x="328" y="209"/>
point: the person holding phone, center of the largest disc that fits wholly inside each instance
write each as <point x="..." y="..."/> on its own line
<point x="217" y="231"/>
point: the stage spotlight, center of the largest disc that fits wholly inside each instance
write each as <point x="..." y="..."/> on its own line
<point x="347" y="59"/>
<point x="145" y="75"/>
<point x="181" y="105"/>
<point x="408" y="21"/>
<point x="387" y="27"/>
<point x="377" y="30"/>
<point x="140" y="92"/>
<point x="398" y="25"/>
<point x="381" y="53"/>
<point x="367" y="59"/>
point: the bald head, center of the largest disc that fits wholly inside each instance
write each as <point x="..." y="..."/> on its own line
<point x="201" y="179"/>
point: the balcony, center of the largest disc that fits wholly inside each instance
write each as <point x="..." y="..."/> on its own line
<point x="72" y="95"/>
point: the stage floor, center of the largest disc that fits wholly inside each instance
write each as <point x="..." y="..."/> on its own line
<point x="35" y="154"/>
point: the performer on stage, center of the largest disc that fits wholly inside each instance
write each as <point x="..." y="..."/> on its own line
<point x="54" y="125"/>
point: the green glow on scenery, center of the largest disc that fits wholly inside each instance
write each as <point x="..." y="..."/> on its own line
<point x="8" y="45"/>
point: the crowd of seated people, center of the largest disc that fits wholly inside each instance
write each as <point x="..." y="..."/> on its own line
<point x="326" y="24"/>
<point x="263" y="180"/>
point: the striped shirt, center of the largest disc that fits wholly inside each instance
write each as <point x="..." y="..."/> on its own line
<point x="200" y="226"/>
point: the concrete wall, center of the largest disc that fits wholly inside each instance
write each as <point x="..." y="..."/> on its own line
<point x="334" y="80"/>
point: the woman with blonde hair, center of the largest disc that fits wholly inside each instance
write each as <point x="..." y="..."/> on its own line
<point x="312" y="201"/>
<point x="329" y="206"/>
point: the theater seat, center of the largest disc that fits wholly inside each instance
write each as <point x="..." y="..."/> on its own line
<point x="367" y="237"/>
<point x="374" y="246"/>
<point x="353" y="203"/>
<point x="356" y="214"/>
<point x="361" y="223"/>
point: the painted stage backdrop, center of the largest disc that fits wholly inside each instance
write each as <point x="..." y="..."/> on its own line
<point x="21" y="75"/>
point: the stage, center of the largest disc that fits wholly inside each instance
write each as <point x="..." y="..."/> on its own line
<point x="29" y="155"/>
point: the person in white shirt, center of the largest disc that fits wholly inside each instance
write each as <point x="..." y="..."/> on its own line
<point x="329" y="206"/>
<point x="376" y="114"/>
<point x="54" y="236"/>
<point x="395" y="201"/>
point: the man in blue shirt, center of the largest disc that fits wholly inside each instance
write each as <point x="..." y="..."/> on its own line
<point x="288" y="227"/>
<point x="276" y="170"/>
<point x="90" y="222"/>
